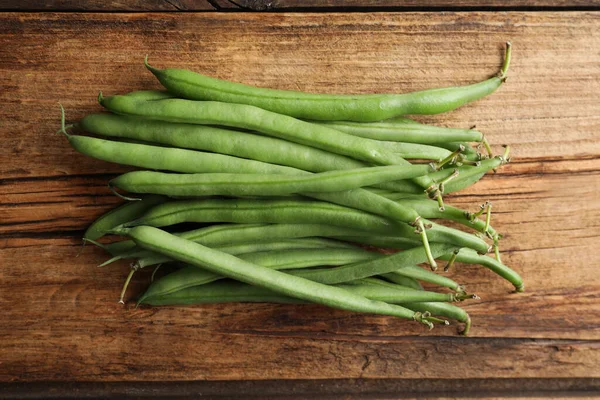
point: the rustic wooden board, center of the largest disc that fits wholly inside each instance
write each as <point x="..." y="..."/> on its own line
<point x="60" y="320"/>
<point x="283" y="5"/>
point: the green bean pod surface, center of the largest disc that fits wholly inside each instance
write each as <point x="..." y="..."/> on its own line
<point x="190" y="85"/>
<point x="245" y="184"/>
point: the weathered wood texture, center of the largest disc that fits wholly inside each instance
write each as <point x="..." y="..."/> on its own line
<point x="60" y="319"/>
<point x="283" y="5"/>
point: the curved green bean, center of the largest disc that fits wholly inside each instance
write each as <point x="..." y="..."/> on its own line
<point x="191" y="85"/>
<point x="443" y="310"/>
<point x="471" y="257"/>
<point x="465" y="255"/>
<point x="168" y="159"/>
<point x="215" y="261"/>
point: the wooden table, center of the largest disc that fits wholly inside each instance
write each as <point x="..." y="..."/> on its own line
<point x="62" y="331"/>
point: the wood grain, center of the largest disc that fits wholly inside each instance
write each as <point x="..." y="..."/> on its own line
<point x="288" y="5"/>
<point x="60" y="319"/>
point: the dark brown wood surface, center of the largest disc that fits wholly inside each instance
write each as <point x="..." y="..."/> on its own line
<point x="60" y="320"/>
<point x="288" y="5"/>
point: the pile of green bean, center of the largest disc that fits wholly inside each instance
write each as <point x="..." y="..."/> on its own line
<point x="288" y="197"/>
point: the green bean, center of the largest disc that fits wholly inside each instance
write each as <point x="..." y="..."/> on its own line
<point x="430" y="210"/>
<point x="120" y="215"/>
<point x="443" y="310"/>
<point x="232" y="267"/>
<point x="190" y="85"/>
<point x="467" y="171"/>
<point x="279" y="260"/>
<point x="422" y="274"/>
<point x="295" y="211"/>
<point x="471" y="257"/>
<point x="246" y="184"/>
<point x="469" y="153"/>
<point x="302" y="243"/>
<point x="254" y="119"/>
<point x="404" y="130"/>
<point x="465" y="255"/>
<point x="168" y="159"/>
<point x="378" y="266"/>
<point x="435" y="308"/>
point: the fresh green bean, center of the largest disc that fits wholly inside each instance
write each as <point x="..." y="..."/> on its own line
<point x="404" y="130"/>
<point x="471" y="257"/>
<point x="120" y="215"/>
<point x="168" y="159"/>
<point x="279" y="260"/>
<point x="295" y="211"/>
<point x="465" y="255"/>
<point x="254" y="119"/>
<point x="246" y="184"/>
<point x="215" y="261"/>
<point x="443" y="310"/>
<point x="430" y="210"/>
<point x="469" y="153"/>
<point x="191" y="85"/>
<point x="467" y="171"/>
<point x="378" y="266"/>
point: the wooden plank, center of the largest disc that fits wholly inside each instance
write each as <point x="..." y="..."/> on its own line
<point x="287" y="5"/>
<point x="60" y="318"/>
<point x="331" y="389"/>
